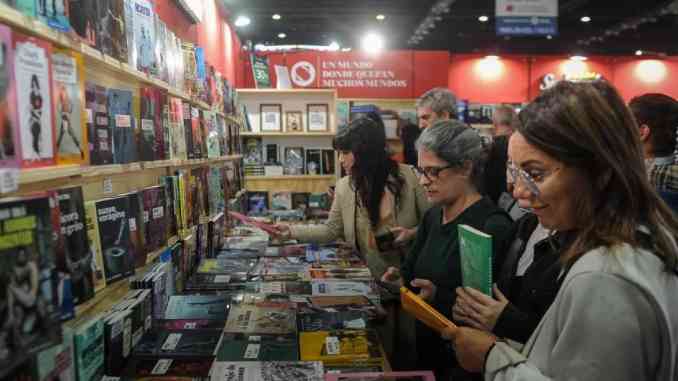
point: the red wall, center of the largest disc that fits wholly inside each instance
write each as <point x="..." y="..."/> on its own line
<point x="479" y="80"/>
<point x="636" y="77"/>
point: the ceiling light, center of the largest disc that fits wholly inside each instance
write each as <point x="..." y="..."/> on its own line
<point x="372" y="42"/>
<point x="282" y="35"/>
<point x="242" y="21"/>
<point x="259" y="47"/>
<point x="585" y="19"/>
<point x="578" y="58"/>
<point x="334" y="46"/>
<point x="276" y="17"/>
<point x="549" y="37"/>
<point x="639" y="52"/>
<point x="483" y="18"/>
<point x="492" y="57"/>
<point x="381" y="17"/>
<point x="345" y="49"/>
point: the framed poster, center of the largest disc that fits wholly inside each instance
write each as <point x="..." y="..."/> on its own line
<point x="294" y="121"/>
<point x="317" y="116"/>
<point x="270" y="117"/>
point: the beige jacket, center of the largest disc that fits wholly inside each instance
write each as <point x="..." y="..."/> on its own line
<point x="341" y="223"/>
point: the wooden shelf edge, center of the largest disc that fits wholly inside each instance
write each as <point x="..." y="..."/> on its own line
<point x="290" y="134"/>
<point x="286" y="91"/>
<point x="34" y="175"/>
<point x="290" y="177"/>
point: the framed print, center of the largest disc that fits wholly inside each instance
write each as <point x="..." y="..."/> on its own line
<point x="294" y="121"/>
<point x="271" y="120"/>
<point x="294" y="161"/>
<point x="317" y="116"/>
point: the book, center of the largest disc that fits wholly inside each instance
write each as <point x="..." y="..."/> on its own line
<point x="117" y="340"/>
<point x="176" y="126"/>
<point x="428" y="315"/>
<point x="170" y="369"/>
<point x="261" y="320"/>
<point x="341" y="346"/>
<point x="57" y="362"/>
<point x="151" y="144"/>
<point x="114" y="235"/>
<point x="293" y="163"/>
<point x="33" y="80"/>
<point x="253" y="153"/>
<point x="216" y="230"/>
<point x="54" y="14"/>
<point x="27" y="227"/>
<point x="342" y="288"/>
<point x="69" y="98"/>
<point x="144" y="37"/>
<point x="381" y="376"/>
<point x="137" y="228"/>
<point x="267" y="370"/>
<point x="257" y="202"/>
<point x="163" y="131"/>
<point x="213" y="144"/>
<point x="161" y="49"/>
<point x="332" y="320"/>
<point x="75" y="260"/>
<point x="111" y="33"/>
<point x="242" y="347"/>
<point x="201" y="307"/>
<point x="88" y="344"/>
<point x="27" y="7"/>
<point x="94" y="244"/>
<point x="9" y="121"/>
<point x="355" y="273"/>
<point x="171" y="344"/>
<point x="300" y="200"/>
<point x="215" y="186"/>
<point x="82" y="16"/>
<point x="475" y="248"/>
<point x="328" y="162"/>
<point x="155" y="217"/>
<point x="197" y="137"/>
<point x="99" y="135"/>
<point x="313" y="161"/>
<point x="122" y="123"/>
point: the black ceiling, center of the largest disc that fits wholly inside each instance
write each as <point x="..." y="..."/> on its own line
<point x="617" y="26"/>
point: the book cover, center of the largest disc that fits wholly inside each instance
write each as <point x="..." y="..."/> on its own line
<point x="151" y="144"/>
<point x="381" y="376"/>
<point x="111" y="34"/>
<point x="257" y="202"/>
<point x="332" y="320"/>
<point x="356" y="273"/>
<point x="131" y="59"/>
<point x="241" y="347"/>
<point x="94" y="245"/>
<point x="161" y="343"/>
<point x="188" y="129"/>
<point x="313" y="161"/>
<point x="281" y="201"/>
<point x="190" y="70"/>
<point x="75" y="260"/>
<point x="215" y="185"/>
<point x="100" y="136"/>
<point x="57" y="362"/>
<point x="253" y="151"/>
<point x="267" y="370"/>
<point x="88" y="344"/>
<point x="261" y="320"/>
<point x="54" y="14"/>
<point x="293" y="163"/>
<point x="328" y="162"/>
<point x="27" y="227"/>
<point x="215" y="235"/>
<point x="177" y="134"/>
<point x="117" y="341"/>
<point x="213" y="143"/>
<point x="9" y="118"/>
<point x="200" y="174"/>
<point x="285" y="287"/>
<point x="475" y="248"/>
<point x="69" y="96"/>
<point x="342" y="288"/>
<point x="122" y="123"/>
<point x="170" y="369"/>
<point x="82" y="17"/>
<point x="341" y="346"/>
<point x="144" y="36"/>
<point x="155" y="217"/>
<point x="206" y="307"/>
<point x="137" y="228"/>
<point x="114" y="234"/>
<point x="161" y="49"/>
<point x="33" y="79"/>
<point x="300" y="200"/>
<point x="163" y="151"/>
<point x="197" y="141"/>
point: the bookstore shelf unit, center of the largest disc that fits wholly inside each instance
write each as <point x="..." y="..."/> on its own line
<point x="293" y="100"/>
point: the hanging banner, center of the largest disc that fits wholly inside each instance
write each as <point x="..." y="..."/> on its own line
<point x="262" y="78"/>
<point x="526" y="17"/>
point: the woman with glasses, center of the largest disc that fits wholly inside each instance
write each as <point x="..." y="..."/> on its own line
<point x="579" y="167"/>
<point x="451" y="158"/>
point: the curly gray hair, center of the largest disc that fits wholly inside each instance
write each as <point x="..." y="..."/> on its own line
<point x="440" y="100"/>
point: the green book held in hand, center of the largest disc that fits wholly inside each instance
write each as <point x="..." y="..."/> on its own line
<point x="476" y="259"/>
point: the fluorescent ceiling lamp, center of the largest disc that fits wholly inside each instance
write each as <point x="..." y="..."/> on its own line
<point x="585" y="19"/>
<point x="578" y="58"/>
<point x="372" y="42"/>
<point x="381" y="17"/>
<point x="282" y="35"/>
<point x="242" y="21"/>
<point x="276" y="17"/>
<point x="483" y="18"/>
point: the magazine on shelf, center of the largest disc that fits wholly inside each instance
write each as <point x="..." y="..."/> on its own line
<point x="69" y="98"/>
<point x="267" y="371"/>
<point x="243" y="347"/>
<point x="123" y="125"/>
<point x="114" y="233"/>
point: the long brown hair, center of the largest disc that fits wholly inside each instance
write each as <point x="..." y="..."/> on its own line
<point x="588" y="126"/>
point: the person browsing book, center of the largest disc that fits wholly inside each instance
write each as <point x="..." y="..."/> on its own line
<point x="450" y="167"/>
<point x="579" y="167"/>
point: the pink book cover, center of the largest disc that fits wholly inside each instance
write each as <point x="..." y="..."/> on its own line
<point x="379" y="376"/>
<point x="33" y="79"/>
<point x="9" y="157"/>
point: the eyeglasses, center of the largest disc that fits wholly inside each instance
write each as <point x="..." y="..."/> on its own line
<point x="528" y="180"/>
<point x="431" y="173"/>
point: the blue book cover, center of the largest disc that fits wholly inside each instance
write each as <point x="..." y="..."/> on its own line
<point x="54" y="13"/>
<point x="89" y="350"/>
<point x="123" y="126"/>
<point x="208" y="307"/>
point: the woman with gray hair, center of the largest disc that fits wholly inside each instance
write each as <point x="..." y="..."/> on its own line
<point x="451" y="159"/>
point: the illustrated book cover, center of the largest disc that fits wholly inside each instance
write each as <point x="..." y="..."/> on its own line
<point x="69" y="97"/>
<point x="114" y="235"/>
<point x="123" y="125"/>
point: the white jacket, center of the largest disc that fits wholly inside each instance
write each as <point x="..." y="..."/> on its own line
<point x="614" y="318"/>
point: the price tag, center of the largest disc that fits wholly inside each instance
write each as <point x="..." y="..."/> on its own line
<point x="9" y="180"/>
<point x="108" y="186"/>
<point x="132" y="224"/>
<point x="355" y="324"/>
<point x="171" y="342"/>
<point x="90" y="116"/>
<point x="147" y="125"/>
<point x="191" y="325"/>
<point x="127" y="338"/>
<point x="332" y="346"/>
<point x="255" y="338"/>
<point x="252" y="351"/>
<point x="222" y="278"/>
<point x="161" y="367"/>
<point x="158" y="212"/>
<point x="123" y="121"/>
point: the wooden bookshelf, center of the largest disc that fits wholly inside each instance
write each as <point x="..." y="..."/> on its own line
<point x="288" y="134"/>
<point x="291" y="177"/>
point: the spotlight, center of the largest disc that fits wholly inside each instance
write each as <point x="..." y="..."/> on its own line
<point x="276" y="17"/>
<point x="483" y="18"/>
<point x="372" y="42"/>
<point x="585" y="19"/>
<point x="639" y="52"/>
<point x="282" y="35"/>
<point x="334" y="46"/>
<point x="381" y="17"/>
<point x="242" y="21"/>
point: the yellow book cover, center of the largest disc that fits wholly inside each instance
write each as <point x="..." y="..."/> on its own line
<point x="68" y="76"/>
<point x="340" y="347"/>
<point x="182" y="201"/>
<point x="95" y="245"/>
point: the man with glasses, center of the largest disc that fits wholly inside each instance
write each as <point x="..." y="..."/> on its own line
<point x="436" y="104"/>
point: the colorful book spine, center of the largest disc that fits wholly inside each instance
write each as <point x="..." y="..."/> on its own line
<point x="95" y="245"/>
<point x="89" y="350"/>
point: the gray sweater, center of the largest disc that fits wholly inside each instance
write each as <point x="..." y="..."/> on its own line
<point x="614" y="318"/>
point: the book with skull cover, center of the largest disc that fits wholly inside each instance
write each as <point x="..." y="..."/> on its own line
<point x="114" y="235"/>
<point x="75" y="260"/>
<point x="123" y="125"/>
<point x="82" y="15"/>
<point x="30" y="305"/>
<point x="69" y="97"/>
<point x="34" y="107"/>
<point x="151" y="142"/>
<point x="155" y="217"/>
<point x="99" y="137"/>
